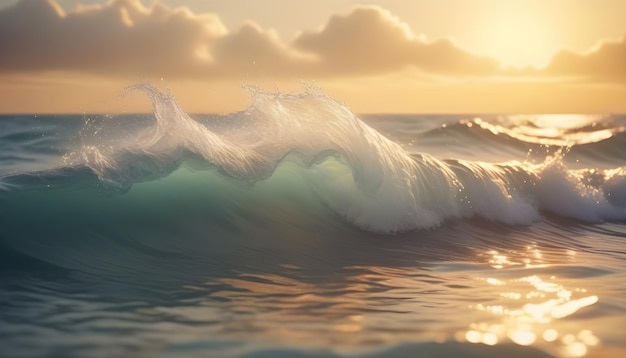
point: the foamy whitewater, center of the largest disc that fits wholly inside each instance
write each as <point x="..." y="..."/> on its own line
<point x="297" y="228"/>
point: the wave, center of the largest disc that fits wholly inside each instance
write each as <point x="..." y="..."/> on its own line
<point x="345" y="165"/>
<point x="554" y="130"/>
<point x="592" y="139"/>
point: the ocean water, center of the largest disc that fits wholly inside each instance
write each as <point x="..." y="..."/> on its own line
<point x="296" y="228"/>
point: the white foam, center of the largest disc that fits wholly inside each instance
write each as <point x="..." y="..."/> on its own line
<point x="569" y="193"/>
<point x="385" y="189"/>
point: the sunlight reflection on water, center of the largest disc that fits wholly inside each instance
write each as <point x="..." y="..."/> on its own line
<point x="532" y="305"/>
<point x="529" y="296"/>
<point x="554" y="129"/>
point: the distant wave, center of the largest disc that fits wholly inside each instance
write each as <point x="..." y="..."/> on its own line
<point x="597" y="138"/>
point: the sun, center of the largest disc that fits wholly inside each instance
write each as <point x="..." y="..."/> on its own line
<point x="517" y="36"/>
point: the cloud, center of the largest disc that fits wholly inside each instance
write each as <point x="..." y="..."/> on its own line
<point x="125" y="38"/>
<point x="252" y="51"/>
<point x="371" y="39"/>
<point x="122" y="37"/>
<point x="605" y="63"/>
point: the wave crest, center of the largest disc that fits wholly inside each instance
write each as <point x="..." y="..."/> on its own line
<point x="385" y="189"/>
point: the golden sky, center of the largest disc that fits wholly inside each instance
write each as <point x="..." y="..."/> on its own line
<point x="434" y="56"/>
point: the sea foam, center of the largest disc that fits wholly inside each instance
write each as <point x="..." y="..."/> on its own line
<point x="364" y="177"/>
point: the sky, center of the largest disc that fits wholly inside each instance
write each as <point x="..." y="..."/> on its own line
<point x="386" y="56"/>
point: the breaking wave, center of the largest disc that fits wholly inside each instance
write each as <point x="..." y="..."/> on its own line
<point x="339" y="162"/>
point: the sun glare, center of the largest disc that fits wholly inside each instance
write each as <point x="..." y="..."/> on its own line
<point x="532" y="310"/>
<point x="517" y="36"/>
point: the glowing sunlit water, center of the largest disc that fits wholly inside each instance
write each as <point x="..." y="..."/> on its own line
<point x="530" y="312"/>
